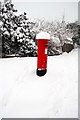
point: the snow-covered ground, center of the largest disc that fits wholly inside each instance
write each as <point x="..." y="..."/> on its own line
<point x="24" y="94"/>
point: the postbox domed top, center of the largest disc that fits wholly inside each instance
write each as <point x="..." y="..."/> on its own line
<point x="43" y="35"/>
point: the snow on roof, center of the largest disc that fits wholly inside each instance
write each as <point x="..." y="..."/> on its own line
<point x="43" y="35"/>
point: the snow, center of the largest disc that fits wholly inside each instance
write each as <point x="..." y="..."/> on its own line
<point x="55" y="40"/>
<point x="17" y="13"/>
<point x="43" y="35"/>
<point x="69" y="39"/>
<point x="23" y="94"/>
<point x="6" y="32"/>
<point x="1" y="23"/>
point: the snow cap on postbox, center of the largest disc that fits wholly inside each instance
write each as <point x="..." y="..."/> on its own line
<point x="43" y="35"/>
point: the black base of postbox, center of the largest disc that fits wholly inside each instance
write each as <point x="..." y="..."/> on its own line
<point x="41" y="72"/>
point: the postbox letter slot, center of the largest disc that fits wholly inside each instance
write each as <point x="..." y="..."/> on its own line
<point x="45" y="50"/>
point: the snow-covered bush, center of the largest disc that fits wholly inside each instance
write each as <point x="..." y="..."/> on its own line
<point x="17" y="37"/>
<point x="59" y="33"/>
<point x="75" y="29"/>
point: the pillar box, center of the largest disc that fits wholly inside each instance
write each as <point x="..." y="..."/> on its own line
<point x="42" y="39"/>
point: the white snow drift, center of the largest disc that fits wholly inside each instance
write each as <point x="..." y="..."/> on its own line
<point x="24" y="94"/>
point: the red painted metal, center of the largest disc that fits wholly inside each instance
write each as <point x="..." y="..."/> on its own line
<point x="42" y="54"/>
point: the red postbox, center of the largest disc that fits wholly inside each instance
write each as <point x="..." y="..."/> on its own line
<point x="42" y="38"/>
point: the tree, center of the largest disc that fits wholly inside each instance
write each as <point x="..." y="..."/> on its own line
<point x="17" y="36"/>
